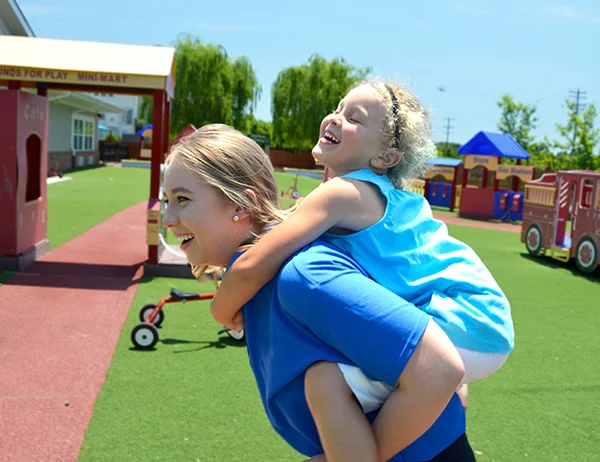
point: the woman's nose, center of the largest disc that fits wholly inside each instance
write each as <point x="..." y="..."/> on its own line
<point x="169" y="218"/>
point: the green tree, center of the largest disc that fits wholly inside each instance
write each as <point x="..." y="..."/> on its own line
<point x="448" y="150"/>
<point x="303" y="95"/>
<point x="517" y="119"/>
<point x="211" y="88"/>
<point x="258" y="127"/>
<point x="580" y="137"/>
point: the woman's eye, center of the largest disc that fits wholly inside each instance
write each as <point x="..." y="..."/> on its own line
<point x="181" y="199"/>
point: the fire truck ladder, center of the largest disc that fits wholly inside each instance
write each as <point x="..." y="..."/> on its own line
<point x="562" y="253"/>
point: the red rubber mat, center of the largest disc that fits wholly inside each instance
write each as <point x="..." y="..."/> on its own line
<point x="59" y="324"/>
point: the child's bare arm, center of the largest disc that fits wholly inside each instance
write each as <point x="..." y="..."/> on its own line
<point x="327" y="206"/>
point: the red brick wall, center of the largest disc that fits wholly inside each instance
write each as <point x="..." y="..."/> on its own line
<point x="281" y="159"/>
<point x="66" y="161"/>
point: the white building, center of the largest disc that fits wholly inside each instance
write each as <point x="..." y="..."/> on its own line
<point x="73" y="116"/>
<point x="115" y="123"/>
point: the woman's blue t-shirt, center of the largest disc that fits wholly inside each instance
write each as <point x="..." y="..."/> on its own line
<point x="323" y="306"/>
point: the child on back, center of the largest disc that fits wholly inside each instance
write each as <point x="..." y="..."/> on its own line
<point x="377" y="139"/>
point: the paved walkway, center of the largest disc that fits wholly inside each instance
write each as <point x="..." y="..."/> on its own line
<point x="60" y="322"/>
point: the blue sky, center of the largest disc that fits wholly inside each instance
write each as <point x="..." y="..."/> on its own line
<point x="477" y="50"/>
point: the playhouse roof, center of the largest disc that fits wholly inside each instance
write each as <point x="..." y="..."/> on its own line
<point x="62" y="63"/>
<point x="444" y="162"/>
<point x="494" y="144"/>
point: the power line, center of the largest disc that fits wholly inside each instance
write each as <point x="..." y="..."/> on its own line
<point x="448" y="128"/>
<point x="578" y="95"/>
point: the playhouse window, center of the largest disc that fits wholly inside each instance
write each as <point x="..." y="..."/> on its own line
<point x="586" y="193"/>
<point x="33" y="146"/>
<point x="83" y="133"/>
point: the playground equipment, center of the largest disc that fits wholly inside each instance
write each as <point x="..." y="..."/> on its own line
<point x="144" y="335"/>
<point x="440" y="185"/>
<point x="554" y="200"/>
<point x="292" y="192"/>
<point x="487" y="150"/>
<point x="23" y="170"/>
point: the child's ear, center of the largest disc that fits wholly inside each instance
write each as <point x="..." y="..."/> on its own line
<point x="387" y="160"/>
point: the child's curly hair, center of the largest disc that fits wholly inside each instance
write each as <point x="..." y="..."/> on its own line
<point x="407" y="129"/>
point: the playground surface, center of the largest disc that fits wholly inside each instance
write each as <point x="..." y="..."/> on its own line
<point x="61" y="319"/>
<point x="194" y="395"/>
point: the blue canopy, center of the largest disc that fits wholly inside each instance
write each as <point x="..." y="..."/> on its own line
<point x="103" y="127"/>
<point x="494" y="144"/>
<point x="444" y="161"/>
<point x="147" y="127"/>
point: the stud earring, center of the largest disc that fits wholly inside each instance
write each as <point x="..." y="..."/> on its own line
<point x="236" y="218"/>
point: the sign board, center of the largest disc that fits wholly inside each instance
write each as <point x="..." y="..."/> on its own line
<point x="446" y="172"/>
<point x="81" y="78"/>
<point x="489" y="162"/>
<point x="522" y="172"/>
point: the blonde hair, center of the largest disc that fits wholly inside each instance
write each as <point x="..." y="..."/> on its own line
<point x="230" y="162"/>
<point x="414" y="133"/>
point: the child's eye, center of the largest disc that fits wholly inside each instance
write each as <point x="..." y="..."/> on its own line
<point x="181" y="199"/>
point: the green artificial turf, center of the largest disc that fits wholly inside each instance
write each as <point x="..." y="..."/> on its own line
<point x="90" y="197"/>
<point x="194" y="397"/>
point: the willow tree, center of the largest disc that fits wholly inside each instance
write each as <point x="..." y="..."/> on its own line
<point x="303" y="95"/>
<point x="210" y="87"/>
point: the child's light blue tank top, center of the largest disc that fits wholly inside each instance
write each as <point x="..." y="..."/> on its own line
<point x="410" y="253"/>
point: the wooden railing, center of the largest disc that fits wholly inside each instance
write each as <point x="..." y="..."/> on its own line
<point x="540" y="195"/>
<point x="417" y="186"/>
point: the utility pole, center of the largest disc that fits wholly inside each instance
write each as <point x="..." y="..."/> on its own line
<point x="578" y="95"/>
<point x="448" y="128"/>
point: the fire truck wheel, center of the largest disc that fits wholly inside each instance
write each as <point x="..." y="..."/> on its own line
<point x="533" y="240"/>
<point x="587" y="255"/>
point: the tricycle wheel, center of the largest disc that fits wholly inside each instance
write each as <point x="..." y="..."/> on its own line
<point x="237" y="336"/>
<point x="145" y="312"/>
<point x="144" y="336"/>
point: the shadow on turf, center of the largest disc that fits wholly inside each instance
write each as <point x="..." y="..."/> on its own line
<point x="570" y="266"/>
<point x="221" y="342"/>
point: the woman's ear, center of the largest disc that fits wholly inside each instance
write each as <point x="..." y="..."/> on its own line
<point x="241" y="212"/>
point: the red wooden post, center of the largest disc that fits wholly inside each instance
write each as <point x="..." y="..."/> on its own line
<point x="156" y="160"/>
<point x="167" y="125"/>
<point x="453" y="200"/>
<point x="515" y="180"/>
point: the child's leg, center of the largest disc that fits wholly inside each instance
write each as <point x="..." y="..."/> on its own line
<point x="345" y="432"/>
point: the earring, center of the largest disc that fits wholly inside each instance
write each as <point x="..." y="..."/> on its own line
<point x="236" y="218"/>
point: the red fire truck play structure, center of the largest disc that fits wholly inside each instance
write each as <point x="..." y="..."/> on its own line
<point x="554" y="201"/>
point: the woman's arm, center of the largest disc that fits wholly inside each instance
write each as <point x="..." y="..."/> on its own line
<point x="326" y="207"/>
<point x="430" y="379"/>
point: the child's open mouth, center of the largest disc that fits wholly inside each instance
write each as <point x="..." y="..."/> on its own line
<point x="185" y="240"/>
<point x="329" y="138"/>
